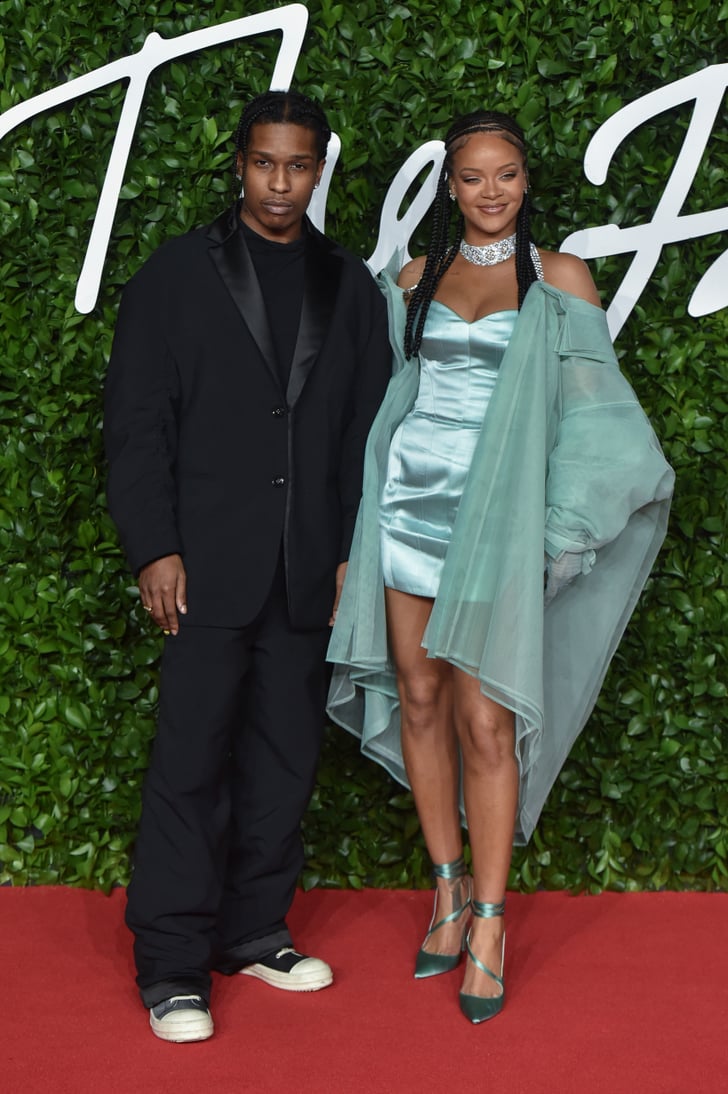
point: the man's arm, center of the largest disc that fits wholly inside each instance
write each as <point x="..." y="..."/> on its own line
<point x="374" y="369"/>
<point x="140" y="434"/>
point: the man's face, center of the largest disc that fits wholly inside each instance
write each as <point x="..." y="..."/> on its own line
<point x="279" y="172"/>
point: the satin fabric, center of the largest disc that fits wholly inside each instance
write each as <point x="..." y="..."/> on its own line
<point x="567" y="461"/>
<point x="432" y="448"/>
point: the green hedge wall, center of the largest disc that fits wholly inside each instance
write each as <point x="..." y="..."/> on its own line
<point x="643" y="800"/>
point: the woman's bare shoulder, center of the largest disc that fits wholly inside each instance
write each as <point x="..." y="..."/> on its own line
<point x="566" y="271"/>
<point x="411" y="273"/>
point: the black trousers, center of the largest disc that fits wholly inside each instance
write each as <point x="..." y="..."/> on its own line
<point x="232" y="770"/>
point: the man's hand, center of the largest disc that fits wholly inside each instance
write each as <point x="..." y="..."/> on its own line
<point x="340" y="575"/>
<point x="163" y="588"/>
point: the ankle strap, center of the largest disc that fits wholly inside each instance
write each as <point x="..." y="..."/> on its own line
<point x="453" y="869"/>
<point x="488" y="911"/>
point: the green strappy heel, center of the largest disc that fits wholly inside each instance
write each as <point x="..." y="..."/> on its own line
<point x="479" y="1008"/>
<point x="432" y="964"/>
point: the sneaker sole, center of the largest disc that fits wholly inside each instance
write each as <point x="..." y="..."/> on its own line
<point x="196" y="1030"/>
<point x="284" y="980"/>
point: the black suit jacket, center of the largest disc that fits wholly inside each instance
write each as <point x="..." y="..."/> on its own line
<point x="209" y="457"/>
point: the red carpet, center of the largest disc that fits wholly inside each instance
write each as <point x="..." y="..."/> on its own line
<point x="618" y="993"/>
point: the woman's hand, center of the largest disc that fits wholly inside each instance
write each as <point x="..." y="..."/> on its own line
<point x="560" y="572"/>
<point x="340" y="575"/>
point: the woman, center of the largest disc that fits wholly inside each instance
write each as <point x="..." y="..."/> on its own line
<point x="495" y="675"/>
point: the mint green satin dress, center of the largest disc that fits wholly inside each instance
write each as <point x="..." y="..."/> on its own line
<point x="566" y="461"/>
<point x="433" y="447"/>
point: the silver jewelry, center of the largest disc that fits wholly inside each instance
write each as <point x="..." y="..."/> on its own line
<point x="147" y="608"/>
<point x="491" y="254"/>
<point x="452" y="195"/>
<point x="536" y="259"/>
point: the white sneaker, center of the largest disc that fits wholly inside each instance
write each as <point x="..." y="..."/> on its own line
<point x="291" y="971"/>
<point x="181" y="1018"/>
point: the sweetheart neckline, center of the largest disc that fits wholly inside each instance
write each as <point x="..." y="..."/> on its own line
<point x="472" y="322"/>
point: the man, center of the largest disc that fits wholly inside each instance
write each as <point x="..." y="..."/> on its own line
<point x="249" y="360"/>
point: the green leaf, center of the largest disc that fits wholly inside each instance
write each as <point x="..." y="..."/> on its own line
<point x="642" y="800"/>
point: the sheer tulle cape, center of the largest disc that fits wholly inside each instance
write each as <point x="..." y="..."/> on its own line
<point x="568" y="461"/>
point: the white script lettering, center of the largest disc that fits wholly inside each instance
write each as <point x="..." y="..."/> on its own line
<point x="706" y="87"/>
<point x="291" y="20"/>
<point x="646" y="241"/>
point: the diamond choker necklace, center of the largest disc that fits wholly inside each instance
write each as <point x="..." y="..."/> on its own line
<point x="491" y="254"/>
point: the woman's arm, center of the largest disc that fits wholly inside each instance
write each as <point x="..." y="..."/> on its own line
<point x="411" y="273"/>
<point x="569" y="273"/>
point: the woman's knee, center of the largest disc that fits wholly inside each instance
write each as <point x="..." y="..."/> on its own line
<point x="422" y="698"/>
<point x="487" y="739"/>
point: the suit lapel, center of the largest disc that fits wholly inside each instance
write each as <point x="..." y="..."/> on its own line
<point x="321" y="281"/>
<point x="235" y="266"/>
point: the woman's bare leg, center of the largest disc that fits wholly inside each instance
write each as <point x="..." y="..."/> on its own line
<point x="429" y="747"/>
<point x="486" y="733"/>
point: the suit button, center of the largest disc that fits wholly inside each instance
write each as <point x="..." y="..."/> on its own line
<point x="278" y="411"/>
<point x="279" y="481"/>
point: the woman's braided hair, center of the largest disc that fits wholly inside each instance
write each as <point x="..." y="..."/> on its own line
<point x="289" y="107"/>
<point x="441" y="251"/>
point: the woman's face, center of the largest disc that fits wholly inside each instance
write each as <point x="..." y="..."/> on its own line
<point x="488" y="179"/>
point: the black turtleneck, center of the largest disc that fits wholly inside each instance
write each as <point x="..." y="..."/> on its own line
<point x="280" y="271"/>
